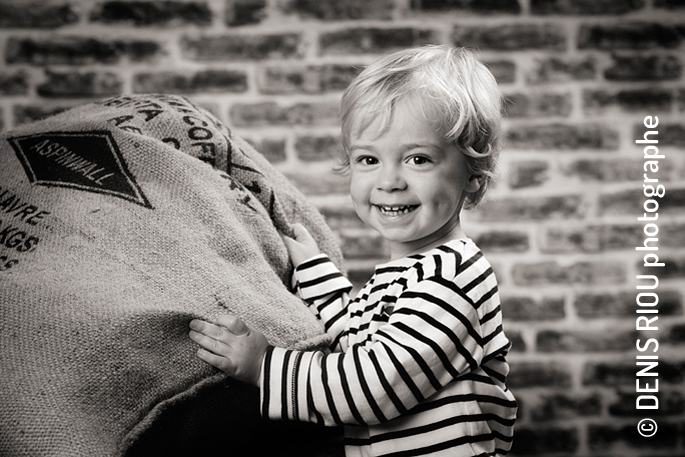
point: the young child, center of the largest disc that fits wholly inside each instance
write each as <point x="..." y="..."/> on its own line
<point x="419" y="355"/>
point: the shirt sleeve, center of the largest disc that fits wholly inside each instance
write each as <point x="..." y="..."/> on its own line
<point x="326" y="291"/>
<point x="432" y="337"/>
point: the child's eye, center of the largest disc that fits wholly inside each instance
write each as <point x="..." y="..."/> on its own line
<point x="419" y="160"/>
<point x="367" y="160"/>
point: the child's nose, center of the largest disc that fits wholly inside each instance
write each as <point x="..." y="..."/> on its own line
<point x="390" y="179"/>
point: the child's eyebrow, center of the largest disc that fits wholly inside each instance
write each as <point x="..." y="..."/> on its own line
<point x="362" y="147"/>
<point x="420" y="145"/>
<point x="404" y="147"/>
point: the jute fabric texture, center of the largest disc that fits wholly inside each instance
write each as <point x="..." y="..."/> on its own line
<point x="120" y="221"/>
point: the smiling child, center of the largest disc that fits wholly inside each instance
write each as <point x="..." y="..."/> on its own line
<point x="418" y="364"/>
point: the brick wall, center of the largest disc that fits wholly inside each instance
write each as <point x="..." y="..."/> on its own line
<point x="561" y="226"/>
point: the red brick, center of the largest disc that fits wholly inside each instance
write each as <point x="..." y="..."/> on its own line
<point x="373" y="40"/>
<point x="631" y="202"/>
<point x="503" y="241"/>
<point x="244" y="12"/>
<point x="531" y="208"/>
<point x="312" y="148"/>
<point x="668" y="135"/>
<point x="612" y="170"/>
<point x="513" y="37"/>
<point x="25" y="114"/>
<point x="623" y="373"/>
<point x="607" y="340"/>
<point x="528" y="174"/>
<point x="73" y="50"/>
<point x="585" y="7"/>
<point x="591" y="239"/>
<point x="644" y="68"/>
<point x="340" y="218"/>
<point x="676" y="334"/>
<point x="537" y="104"/>
<point x="528" y="309"/>
<point x="526" y="375"/>
<point x="477" y="7"/>
<point x="272" y="149"/>
<point x="339" y="10"/>
<point x="142" y="51"/>
<point x="504" y="71"/>
<point x="623" y="202"/>
<point x="16" y="83"/>
<point x="609" y="374"/>
<point x="605" y="170"/>
<point x="213" y="108"/>
<point x="312" y="79"/>
<point x="77" y="84"/>
<point x="218" y="81"/>
<point x="242" y="47"/>
<point x="61" y="51"/>
<point x="270" y="114"/>
<point x="598" y="101"/>
<point x="628" y="35"/>
<point x="560" y="70"/>
<point x="326" y="184"/>
<point x="155" y="13"/>
<point x="673" y="268"/>
<point x="551" y="273"/>
<point x="563" y="137"/>
<point x="38" y="15"/>
<point x="566" y="406"/>
<point x="672" y="235"/>
<point x="672" y="135"/>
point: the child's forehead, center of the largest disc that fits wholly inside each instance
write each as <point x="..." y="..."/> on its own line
<point x="376" y="119"/>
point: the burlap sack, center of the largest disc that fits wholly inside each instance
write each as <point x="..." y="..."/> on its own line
<point x="120" y="221"/>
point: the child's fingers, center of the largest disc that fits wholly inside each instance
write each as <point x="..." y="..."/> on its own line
<point x="222" y="363"/>
<point x="285" y="230"/>
<point x="291" y="236"/>
<point x="213" y="345"/>
<point x="206" y="328"/>
<point x="289" y="239"/>
<point x="300" y="232"/>
<point x="233" y="324"/>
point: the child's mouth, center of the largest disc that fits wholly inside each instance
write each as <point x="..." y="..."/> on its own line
<point x="396" y="210"/>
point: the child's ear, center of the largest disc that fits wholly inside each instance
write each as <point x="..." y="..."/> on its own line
<point x="472" y="185"/>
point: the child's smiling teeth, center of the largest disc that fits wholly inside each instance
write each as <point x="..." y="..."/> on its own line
<point x="396" y="210"/>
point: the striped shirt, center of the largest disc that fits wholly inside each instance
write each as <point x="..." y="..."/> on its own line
<point x="419" y="362"/>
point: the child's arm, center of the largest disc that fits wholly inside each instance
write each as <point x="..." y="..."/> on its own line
<point x="318" y="282"/>
<point x="301" y="246"/>
<point x="231" y="346"/>
<point x="433" y="336"/>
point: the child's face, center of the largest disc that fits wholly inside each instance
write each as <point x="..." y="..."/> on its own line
<point x="408" y="183"/>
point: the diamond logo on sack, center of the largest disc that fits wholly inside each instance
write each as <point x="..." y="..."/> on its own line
<point x="89" y="161"/>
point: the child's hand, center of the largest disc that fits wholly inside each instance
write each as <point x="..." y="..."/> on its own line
<point x="231" y="346"/>
<point x="302" y="247"/>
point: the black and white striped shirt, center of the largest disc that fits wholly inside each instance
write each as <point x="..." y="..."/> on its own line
<point x="419" y="364"/>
